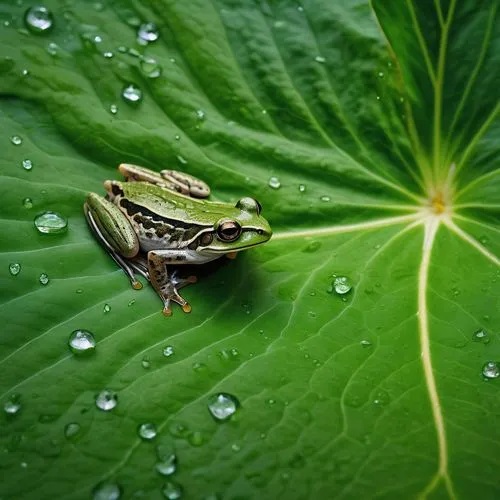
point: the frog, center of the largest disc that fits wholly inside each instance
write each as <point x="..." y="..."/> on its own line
<point x="153" y="220"/>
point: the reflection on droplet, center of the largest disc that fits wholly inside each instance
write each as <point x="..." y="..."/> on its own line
<point x="106" y="400"/>
<point x="71" y="430"/>
<point x="150" y="67"/>
<point x="274" y="182"/>
<point x="491" y="369"/>
<point x="342" y="285"/>
<point x="81" y="341"/>
<point x="27" y="164"/>
<point x="13" y="405"/>
<point x="39" y="19"/>
<point x="147" y="431"/>
<point x="44" y="279"/>
<point x="168" y="351"/>
<point x="148" y="32"/>
<point x="172" y="491"/>
<point x="106" y="491"/>
<point x="481" y="336"/>
<point x="51" y="223"/>
<point x="132" y="94"/>
<point x="222" y="406"/>
<point x="16" y="140"/>
<point x="14" y="268"/>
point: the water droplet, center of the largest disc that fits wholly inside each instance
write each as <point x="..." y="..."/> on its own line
<point x="113" y="109"/>
<point x="132" y="94"/>
<point x="177" y="137"/>
<point x="27" y="164"/>
<point x="320" y="59"/>
<point x="235" y="447"/>
<point x="79" y="290"/>
<point x="172" y="491"/>
<point x="481" y="336"/>
<point x="491" y="369"/>
<point x="147" y="431"/>
<point x="381" y="74"/>
<point x="146" y="363"/>
<point x="484" y="240"/>
<point x="196" y="438"/>
<point x="52" y="48"/>
<point x="44" y="279"/>
<point x="71" y="430"/>
<point x="342" y="285"/>
<point x="16" y="140"/>
<point x="131" y="303"/>
<point x="13" y="405"/>
<point x="222" y="406"/>
<point x="106" y="400"/>
<point x="302" y="188"/>
<point x="39" y="19"/>
<point x="25" y="72"/>
<point x="148" y="32"/>
<point x="106" y="308"/>
<point x="325" y="198"/>
<point x="81" y="342"/>
<point x="200" y="114"/>
<point x="108" y="54"/>
<point x="312" y="246"/>
<point x="168" y="460"/>
<point x="168" y="351"/>
<point x="106" y="491"/>
<point x="28" y="203"/>
<point x="182" y="160"/>
<point x="14" y="268"/>
<point x="366" y="343"/>
<point x="51" y="223"/>
<point x="274" y="182"/>
<point x="150" y="67"/>
<point x="378" y="98"/>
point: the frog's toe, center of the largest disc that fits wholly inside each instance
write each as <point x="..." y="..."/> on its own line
<point x="186" y="308"/>
<point x="167" y="311"/>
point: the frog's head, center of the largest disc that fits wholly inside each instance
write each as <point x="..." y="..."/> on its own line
<point x="242" y="228"/>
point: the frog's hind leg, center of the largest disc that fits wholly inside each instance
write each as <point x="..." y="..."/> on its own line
<point x="129" y="270"/>
<point x="167" y="285"/>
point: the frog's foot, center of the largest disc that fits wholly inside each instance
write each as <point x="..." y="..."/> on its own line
<point x="167" y="286"/>
<point x="232" y="255"/>
<point x="128" y="269"/>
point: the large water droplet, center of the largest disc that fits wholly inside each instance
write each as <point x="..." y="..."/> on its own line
<point x="172" y="491"/>
<point x="106" y="491"/>
<point x="106" y="400"/>
<point x="81" y="342"/>
<point x="132" y="94"/>
<point x="148" y="32"/>
<point x="222" y="406"/>
<point x="27" y="164"/>
<point x="16" y="140"/>
<point x="13" y="405"/>
<point x="491" y="369"/>
<point x="342" y="285"/>
<point x="147" y="431"/>
<point x="44" y="279"/>
<point x="274" y="182"/>
<point x="481" y="336"/>
<point x="51" y="223"/>
<point x="14" y="268"/>
<point x="167" y="460"/>
<point x="168" y="351"/>
<point x="71" y="430"/>
<point x="39" y="19"/>
<point x="150" y="67"/>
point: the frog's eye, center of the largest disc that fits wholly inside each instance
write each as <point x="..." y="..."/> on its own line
<point x="228" y="230"/>
<point x="249" y="205"/>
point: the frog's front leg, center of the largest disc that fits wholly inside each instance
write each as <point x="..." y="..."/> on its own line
<point x="167" y="285"/>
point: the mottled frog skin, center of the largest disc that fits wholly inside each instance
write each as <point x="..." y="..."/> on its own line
<point x="154" y="219"/>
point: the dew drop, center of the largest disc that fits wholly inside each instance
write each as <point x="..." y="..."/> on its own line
<point x="235" y="447"/>
<point x="381" y="74"/>
<point x="52" y="48"/>
<point x="44" y="279"/>
<point x="148" y="32"/>
<point x="132" y="94"/>
<point x="106" y="491"/>
<point x="106" y="308"/>
<point x="311" y="247"/>
<point x="302" y="188"/>
<point x="177" y="137"/>
<point x="182" y="160"/>
<point x="113" y="109"/>
<point x="222" y="406"/>
<point x="13" y="405"/>
<point x="146" y="363"/>
<point x="150" y="67"/>
<point x="196" y="438"/>
<point x="27" y="164"/>
<point x="81" y="342"/>
<point x="71" y="430"/>
<point x="167" y="465"/>
<point x="168" y="351"/>
<point x="14" y="268"/>
<point x="106" y="400"/>
<point x="274" y="182"/>
<point x="28" y="203"/>
<point x="172" y="491"/>
<point x="38" y="19"/>
<point x="131" y="303"/>
<point x="491" y="369"/>
<point x="320" y="59"/>
<point x="325" y="198"/>
<point x="200" y="114"/>
<point x="16" y="140"/>
<point x="366" y="343"/>
<point x="481" y="336"/>
<point x="147" y="431"/>
<point x="342" y="285"/>
<point x="51" y="223"/>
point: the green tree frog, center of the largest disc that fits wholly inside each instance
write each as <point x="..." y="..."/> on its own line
<point x="154" y="219"/>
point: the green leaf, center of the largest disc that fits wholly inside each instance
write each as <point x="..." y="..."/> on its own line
<point x="380" y="121"/>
